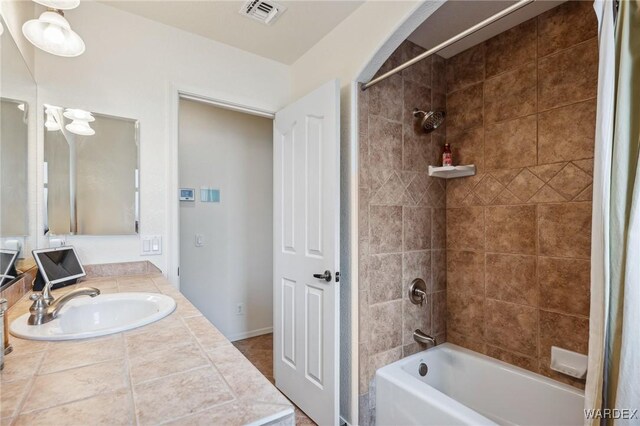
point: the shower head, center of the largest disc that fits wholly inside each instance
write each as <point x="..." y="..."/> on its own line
<point x="430" y="120"/>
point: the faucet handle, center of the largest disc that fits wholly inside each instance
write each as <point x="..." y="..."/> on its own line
<point x="418" y="291"/>
<point x="46" y="293"/>
<point x="39" y="303"/>
<point x="37" y="297"/>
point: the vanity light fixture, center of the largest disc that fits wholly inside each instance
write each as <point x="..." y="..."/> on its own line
<point x="80" y="124"/>
<point x="52" y="33"/>
<point x="25" y="112"/>
<point x="80" y="127"/>
<point x="79" y="114"/>
<point x="51" y="123"/>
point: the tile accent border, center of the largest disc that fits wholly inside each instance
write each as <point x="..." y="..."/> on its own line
<point x="519" y="232"/>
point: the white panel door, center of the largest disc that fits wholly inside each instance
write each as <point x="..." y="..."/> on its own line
<point x="306" y="243"/>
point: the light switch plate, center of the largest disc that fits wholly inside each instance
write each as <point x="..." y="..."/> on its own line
<point x="209" y="195"/>
<point x="151" y="245"/>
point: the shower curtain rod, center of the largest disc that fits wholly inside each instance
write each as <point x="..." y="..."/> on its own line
<point x="449" y="42"/>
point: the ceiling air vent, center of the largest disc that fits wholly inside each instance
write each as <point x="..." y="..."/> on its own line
<point x="266" y="12"/>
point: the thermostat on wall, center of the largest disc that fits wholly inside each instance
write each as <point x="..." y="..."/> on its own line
<point x="187" y="194"/>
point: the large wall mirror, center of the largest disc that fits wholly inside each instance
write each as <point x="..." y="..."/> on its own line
<point x="17" y="135"/>
<point x="14" y="143"/>
<point x="91" y="169"/>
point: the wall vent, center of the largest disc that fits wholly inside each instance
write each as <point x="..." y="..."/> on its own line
<point x="266" y="12"/>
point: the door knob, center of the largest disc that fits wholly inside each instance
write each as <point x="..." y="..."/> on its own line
<point x="326" y="276"/>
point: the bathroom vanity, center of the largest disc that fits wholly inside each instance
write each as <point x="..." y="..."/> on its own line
<point x="179" y="370"/>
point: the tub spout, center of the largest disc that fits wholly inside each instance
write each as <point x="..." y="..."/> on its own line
<point x="424" y="338"/>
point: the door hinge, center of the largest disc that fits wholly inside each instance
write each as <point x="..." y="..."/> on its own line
<point x="337" y="276"/>
<point x="178" y="271"/>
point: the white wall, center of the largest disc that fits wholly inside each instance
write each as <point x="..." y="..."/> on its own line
<point x="345" y="51"/>
<point x="131" y="69"/>
<point x="14" y="136"/>
<point x="15" y="14"/>
<point x="233" y="152"/>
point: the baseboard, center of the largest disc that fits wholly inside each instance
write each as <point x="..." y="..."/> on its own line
<point x="252" y="333"/>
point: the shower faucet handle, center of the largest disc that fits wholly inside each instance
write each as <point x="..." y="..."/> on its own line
<point x="418" y="291"/>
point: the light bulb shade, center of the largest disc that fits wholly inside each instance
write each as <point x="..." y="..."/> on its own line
<point x="51" y="124"/>
<point x="51" y="32"/>
<point x="79" y="114"/>
<point x="59" y="4"/>
<point x="80" y="127"/>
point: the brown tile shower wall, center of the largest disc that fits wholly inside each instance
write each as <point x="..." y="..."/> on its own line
<point x="521" y="106"/>
<point x="402" y="217"/>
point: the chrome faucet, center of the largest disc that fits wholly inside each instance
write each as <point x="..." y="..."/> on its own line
<point x="45" y="308"/>
<point x="421" y="337"/>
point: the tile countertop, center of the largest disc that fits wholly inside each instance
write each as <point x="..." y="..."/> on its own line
<point x="179" y="370"/>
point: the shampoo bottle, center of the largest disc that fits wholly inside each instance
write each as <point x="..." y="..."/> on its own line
<point x="447" y="159"/>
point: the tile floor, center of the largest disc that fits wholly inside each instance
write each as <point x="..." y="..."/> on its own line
<point x="259" y="350"/>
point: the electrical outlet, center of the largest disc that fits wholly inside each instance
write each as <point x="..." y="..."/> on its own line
<point x="240" y="309"/>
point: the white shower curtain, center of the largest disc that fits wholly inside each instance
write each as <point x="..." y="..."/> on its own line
<point x="601" y="196"/>
<point x="624" y="392"/>
<point x="613" y="380"/>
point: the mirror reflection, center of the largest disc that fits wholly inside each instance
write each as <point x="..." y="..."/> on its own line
<point x="14" y="137"/>
<point x="17" y="100"/>
<point x="91" y="184"/>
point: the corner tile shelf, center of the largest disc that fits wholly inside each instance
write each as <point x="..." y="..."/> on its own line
<point x="450" y="172"/>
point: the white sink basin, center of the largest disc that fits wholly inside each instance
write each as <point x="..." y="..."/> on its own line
<point x="86" y="317"/>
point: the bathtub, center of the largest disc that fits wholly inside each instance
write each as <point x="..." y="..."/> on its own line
<point x="463" y="387"/>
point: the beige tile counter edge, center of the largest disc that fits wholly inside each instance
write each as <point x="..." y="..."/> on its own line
<point x="179" y="370"/>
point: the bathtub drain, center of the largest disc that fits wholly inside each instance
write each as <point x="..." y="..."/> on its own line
<point x="423" y="369"/>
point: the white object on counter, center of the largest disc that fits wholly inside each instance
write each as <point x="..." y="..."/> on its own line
<point x="57" y="242"/>
<point x="570" y="363"/>
<point x="13" y="244"/>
